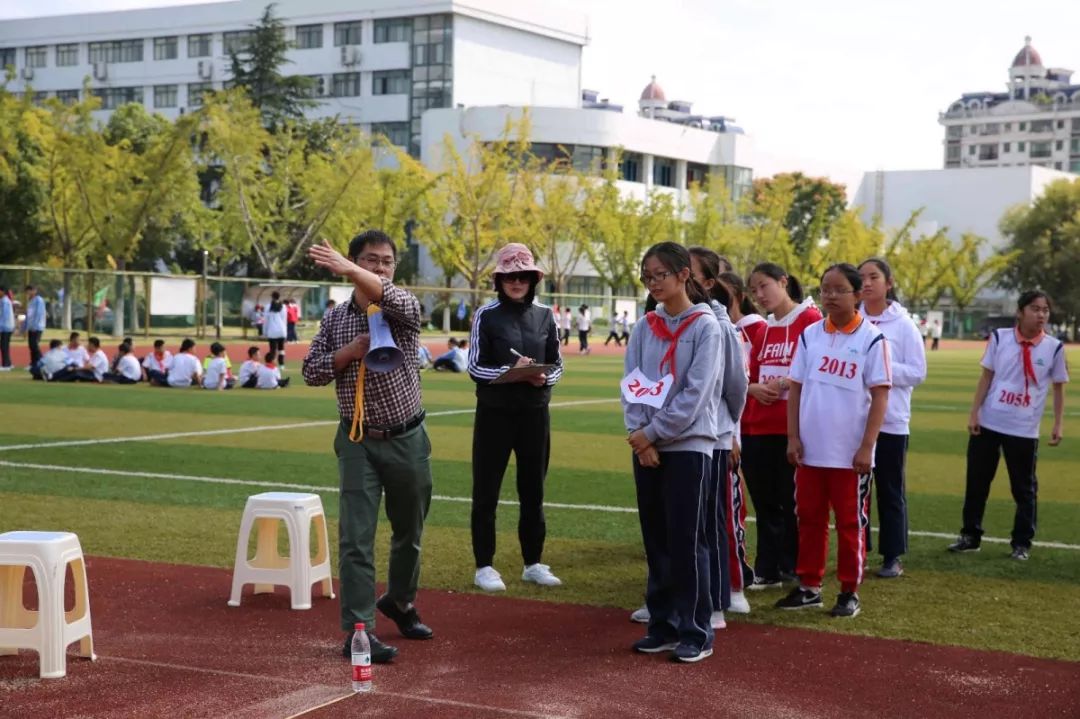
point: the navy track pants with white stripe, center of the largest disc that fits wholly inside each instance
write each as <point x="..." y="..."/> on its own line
<point x="672" y="510"/>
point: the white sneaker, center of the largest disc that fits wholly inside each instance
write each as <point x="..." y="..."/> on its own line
<point x="5" y="369"/>
<point x="739" y="605"/>
<point x="717" y="621"/>
<point x="489" y="580"/>
<point x="540" y="574"/>
<point x="640" y="615"/>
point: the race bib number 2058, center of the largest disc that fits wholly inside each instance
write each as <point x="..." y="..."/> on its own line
<point x="639" y="389"/>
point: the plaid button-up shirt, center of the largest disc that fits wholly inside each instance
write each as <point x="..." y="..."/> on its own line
<point x="390" y="398"/>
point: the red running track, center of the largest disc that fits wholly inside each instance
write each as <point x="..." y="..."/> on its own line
<point x="169" y="646"/>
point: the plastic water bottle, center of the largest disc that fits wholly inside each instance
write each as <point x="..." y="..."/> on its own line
<point x="361" y="660"/>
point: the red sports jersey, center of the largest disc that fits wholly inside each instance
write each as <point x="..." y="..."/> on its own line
<point x="770" y="358"/>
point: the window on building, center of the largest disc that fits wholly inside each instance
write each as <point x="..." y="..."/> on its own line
<point x="1059" y="145"/>
<point x="630" y="167"/>
<point x="1074" y="146"/>
<point x="988" y="152"/>
<point x="587" y="159"/>
<point x="1057" y="165"/>
<point x="972" y="149"/>
<point x="397" y="133"/>
<point x="346" y="84"/>
<point x="347" y="33"/>
<point x="1061" y="124"/>
<point x="318" y="86"/>
<point x="390" y="82"/>
<point x="68" y="97"/>
<point x="1008" y="127"/>
<point x="199" y="45"/>
<point x="1076" y="123"/>
<point x="954" y="131"/>
<point x="432" y="68"/>
<point x="1040" y="149"/>
<point x="1023" y="126"/>
<point x="166" y="48"/>
<point x="67" y="55"/>
<point x="1042" y="125"/>
<point x="308" y="37"/>
<point x="113" y="97"/>
<point x="1074" y="166"/>
<point x="7" y="56"/>
<point x="397" y="29"/>
<point x="164" y="96"/>
<point x="37" y="56"/>
<point x="952" y="152"/>
<point x="1020" y="146"/>
<point x="195" y="92"/>
<point x="1006" y="147"/>
<point x="39" y="98"/>
<point x="116" y="51"/>
<point x="663" y="172"/>
<point x="237" y="41"/>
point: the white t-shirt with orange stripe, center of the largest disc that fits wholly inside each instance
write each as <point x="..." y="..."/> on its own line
<point x="1005" y="408"/>
<point x="837" y="368"/>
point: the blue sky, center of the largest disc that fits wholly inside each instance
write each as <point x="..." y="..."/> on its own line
<point x="833" y="87"/>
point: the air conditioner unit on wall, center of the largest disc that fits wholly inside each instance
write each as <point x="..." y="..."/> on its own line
<point x="350" y="56"/>
<point x="101" y="71"/>
<point x="206" y="69"/>
<point x="28" y="73"/>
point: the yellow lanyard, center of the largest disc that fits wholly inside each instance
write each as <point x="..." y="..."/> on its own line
<point x="356" y="431"/>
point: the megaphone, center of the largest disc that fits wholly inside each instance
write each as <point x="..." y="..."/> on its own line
<point x="384" y="355"/>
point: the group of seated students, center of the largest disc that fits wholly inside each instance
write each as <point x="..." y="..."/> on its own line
<point x="455" y="359"/>
<point x="160" y="368"/>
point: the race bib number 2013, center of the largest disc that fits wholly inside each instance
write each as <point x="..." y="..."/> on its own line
<point x="639" y="389"/>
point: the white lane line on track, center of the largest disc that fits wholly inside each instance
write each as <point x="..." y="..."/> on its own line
<point x="241" y="430"/>
<point x="261" y="677"/>
<point x="437" y="497"/>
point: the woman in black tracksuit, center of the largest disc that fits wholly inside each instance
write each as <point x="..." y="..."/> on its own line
<point x="512" y="331"/>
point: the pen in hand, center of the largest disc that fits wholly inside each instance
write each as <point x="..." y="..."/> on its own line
<point x="520" y="356"/>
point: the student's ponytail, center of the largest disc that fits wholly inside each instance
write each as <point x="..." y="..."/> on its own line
<point x="738" y="286"/>
<point x="711" y="263"/>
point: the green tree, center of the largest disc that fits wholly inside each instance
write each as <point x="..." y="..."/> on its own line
<point x="816" y="204"/>
<point x="257" y="69"/>
<point x="1046" y="237"/>
<point x="919" y="264"/>
<point x="554" y="218"/>
<point x="716" y="221"/>
<point x="21" y="236"/>
<point x="970" y="271"/>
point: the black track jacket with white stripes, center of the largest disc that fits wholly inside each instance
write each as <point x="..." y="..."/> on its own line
<point x="499" y="327"/>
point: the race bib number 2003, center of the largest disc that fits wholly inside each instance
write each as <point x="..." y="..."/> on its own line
<point x="639" y="389"/>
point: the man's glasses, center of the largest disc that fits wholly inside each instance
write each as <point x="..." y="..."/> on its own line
<point x="377" y="261"/>
<point x="518" y="276"/>
<point x="655" y="279"/>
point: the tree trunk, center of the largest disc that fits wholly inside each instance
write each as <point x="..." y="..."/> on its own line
<point x="134" y="306"/>
<point x="118" y="309"/>
<point x="446" y="307"/>
<point x="66" y="316"/>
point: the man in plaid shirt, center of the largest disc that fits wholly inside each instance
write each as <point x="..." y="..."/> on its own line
<point x="394" y="455"/>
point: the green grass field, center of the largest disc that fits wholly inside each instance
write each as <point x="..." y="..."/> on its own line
<point x="143" y="499"/>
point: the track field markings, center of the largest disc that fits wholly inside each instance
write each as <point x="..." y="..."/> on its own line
<point x="436" y="497"/>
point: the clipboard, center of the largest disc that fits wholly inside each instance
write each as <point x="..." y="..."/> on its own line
<point x="515" y="374"/>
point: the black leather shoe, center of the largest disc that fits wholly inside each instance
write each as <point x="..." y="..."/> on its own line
<point x="408" y="623"/>
<point x="380" y="653"/>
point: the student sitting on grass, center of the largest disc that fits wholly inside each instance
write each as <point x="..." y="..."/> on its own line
<point x="211" y="357"/>
<point x="157" y="363"/>
<point x="115" y="364"/>
<point x="77" y="356"/>
<point x="217" y="374"/>
<point x="185" y="369"/>
<point x="269" y="376"/>
<point x="51" y="363"/>
<point x="250" y="369"/>
<point x="97" y="364"/>
<point x="127" y="369"/>
<point x="456" y="358"/>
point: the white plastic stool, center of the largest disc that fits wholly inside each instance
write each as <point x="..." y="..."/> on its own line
<point x="50" y="629"/>
<point x="298" y="571"/>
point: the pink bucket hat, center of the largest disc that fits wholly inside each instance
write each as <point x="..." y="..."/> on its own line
<point x="516" y="257"/>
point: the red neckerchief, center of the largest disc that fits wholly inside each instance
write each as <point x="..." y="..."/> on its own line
<point x="1029" y="367"/>
<point x="160" y="358"/>
<point x="659" y="327"/>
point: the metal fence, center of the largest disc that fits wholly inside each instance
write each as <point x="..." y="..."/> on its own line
<point x="119" y="303"/>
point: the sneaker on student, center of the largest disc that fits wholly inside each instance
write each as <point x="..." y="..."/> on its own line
<point x="489" y="580"/>
<point x="717" y="621"/>
<point x="640" y="615"/>
<point x="761" y="583"/>
<point x="1020" y="554"/>
<point x="847" y="605"/>
<point x="654" y="645"/>
<point x="800" y="598"/>
<point x="891" y="569"/>
<point x="689" y="653"/>
<point x="965" y="543"/>
<point x="739" y="605"/>
<point x="540" y="574"/>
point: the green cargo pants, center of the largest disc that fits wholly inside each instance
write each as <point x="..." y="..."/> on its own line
<point x="400" y="467"/>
